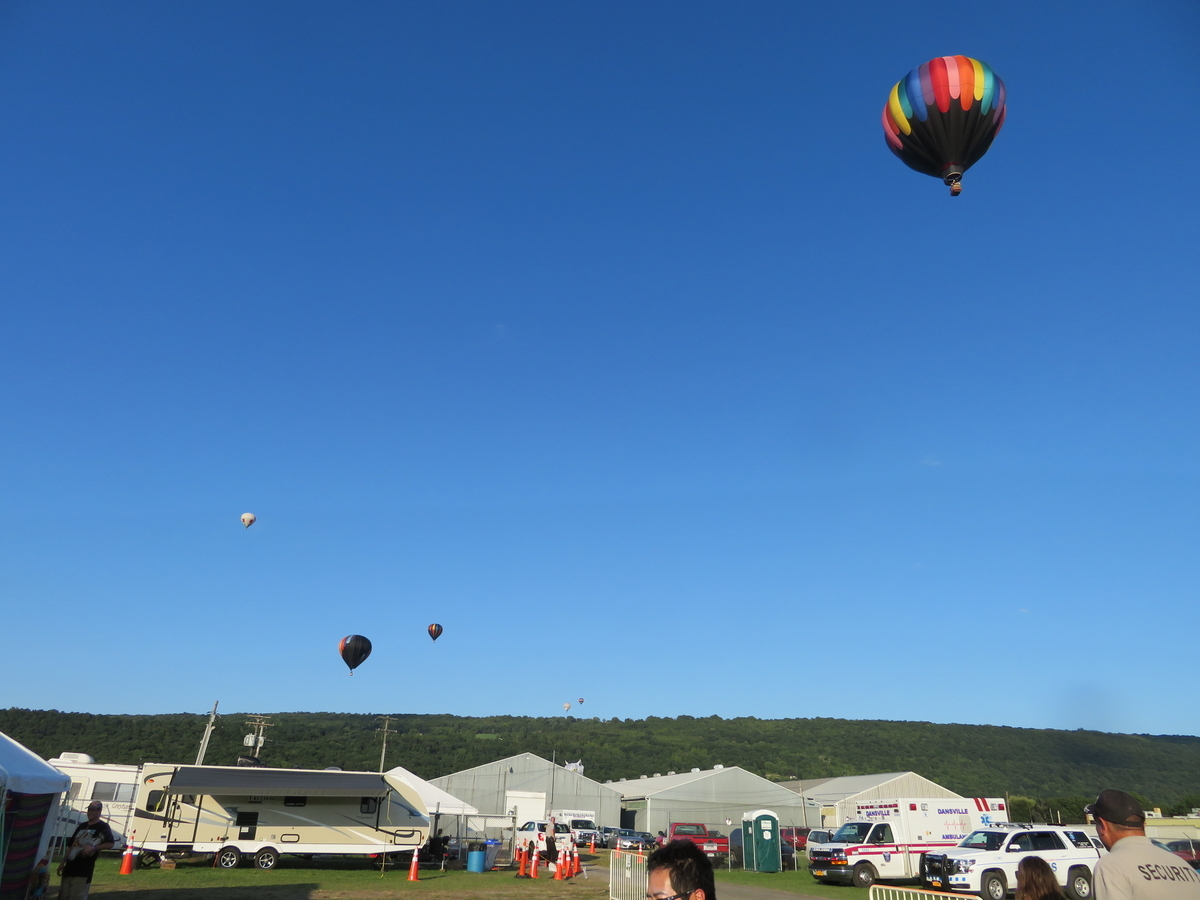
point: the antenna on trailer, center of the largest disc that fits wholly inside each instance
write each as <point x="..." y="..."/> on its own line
<point x="208" y="730"/>
<point x="383" y="752"/>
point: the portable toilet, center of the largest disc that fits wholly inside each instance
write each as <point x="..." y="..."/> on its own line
<point x="762" y="846"/>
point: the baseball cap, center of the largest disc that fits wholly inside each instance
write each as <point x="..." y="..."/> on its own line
<point x="1117" y="807"/>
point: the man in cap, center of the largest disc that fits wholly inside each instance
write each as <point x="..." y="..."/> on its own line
<point x="1135" y="869"/>
<point x="88" y="839"/>
<point x="680" y="871"/>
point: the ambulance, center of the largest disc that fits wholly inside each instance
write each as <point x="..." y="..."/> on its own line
<point x="887" y="839"/>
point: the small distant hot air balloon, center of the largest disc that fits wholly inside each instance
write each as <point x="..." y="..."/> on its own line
<point x="581" y="701"/>
<point x="942" y="116"/>
<point x="249" y="519"/>
<point x="435" y="631"/>
<point x="354" y="649"/>
<point x="566" y="706"/>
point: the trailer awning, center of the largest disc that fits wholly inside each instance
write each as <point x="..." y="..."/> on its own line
<point x="274" y="782"/>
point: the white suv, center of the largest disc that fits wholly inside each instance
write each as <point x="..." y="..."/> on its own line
<point x="985" y="861"/>
<point x="539" y="831"/>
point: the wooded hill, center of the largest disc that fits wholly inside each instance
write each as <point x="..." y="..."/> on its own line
<point x="1060" y="768"/>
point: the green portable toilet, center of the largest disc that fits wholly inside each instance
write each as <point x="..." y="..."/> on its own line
<point x="762" y="847"/>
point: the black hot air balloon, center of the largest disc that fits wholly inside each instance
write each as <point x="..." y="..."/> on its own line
<point x="435" y="631"/>
<point x="941" y="117"/>
<point x="354" y="649"/>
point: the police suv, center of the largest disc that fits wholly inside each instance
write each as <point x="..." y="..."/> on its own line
<point x="985" y="861"/>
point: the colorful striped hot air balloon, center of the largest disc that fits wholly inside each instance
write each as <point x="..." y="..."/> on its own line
<point x="942" y="116"/>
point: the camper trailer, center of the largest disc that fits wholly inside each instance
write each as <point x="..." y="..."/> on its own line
<point x="259" y="813"/>
<point x="114" y="786"/>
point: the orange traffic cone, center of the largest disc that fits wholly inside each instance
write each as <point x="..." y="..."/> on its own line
<point x="521" y="862"/>
<point x="592" y="846"/>
<point x="578" y="863"/>
<point x="127" y="858"/>
<point x="537" y="858"/>
<point x="558" y="865"/>
<point x="414" y="868"/>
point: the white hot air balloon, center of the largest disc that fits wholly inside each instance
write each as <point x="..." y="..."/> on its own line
<point x="248" y="519"/>
<point x="566" y="707"/>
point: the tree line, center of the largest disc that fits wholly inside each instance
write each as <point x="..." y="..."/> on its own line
<point x="1051" y="774"/>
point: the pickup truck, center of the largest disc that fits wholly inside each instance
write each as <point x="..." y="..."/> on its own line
<point x="713" y="843"/>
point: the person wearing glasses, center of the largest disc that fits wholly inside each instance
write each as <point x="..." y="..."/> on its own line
<point x="1135" y="869"/>
<point x="87" y="841"/>
<point x="680" y="871"/>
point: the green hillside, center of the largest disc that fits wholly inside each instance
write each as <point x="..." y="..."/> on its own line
<point x="1061" y="767"/>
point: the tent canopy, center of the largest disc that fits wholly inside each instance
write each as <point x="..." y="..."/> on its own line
<point x="24" y="772"/>
<point x="435" y="799"/>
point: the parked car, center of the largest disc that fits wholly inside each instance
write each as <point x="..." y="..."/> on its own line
<point x="818" y="836"/>
<point x="985" y="861"/>
<point x="737" y="857"/>
<point x="649" y="840"/>
<point x="1187" y="850"/>
<point x="539" y="831"/>
<point x="796" y="837"/>
<point x="628" y="839"/>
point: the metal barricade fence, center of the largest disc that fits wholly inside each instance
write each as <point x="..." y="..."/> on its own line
<point x="626" y="875"/>
<point x="886" y="892"/>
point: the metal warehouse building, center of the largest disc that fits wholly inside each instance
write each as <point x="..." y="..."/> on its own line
<point x="836" y="797"/>
<point x="710" y="796"/>
<point x="528" y="787"/>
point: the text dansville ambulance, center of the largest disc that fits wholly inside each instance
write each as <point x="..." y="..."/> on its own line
<point x="887" y="838"/>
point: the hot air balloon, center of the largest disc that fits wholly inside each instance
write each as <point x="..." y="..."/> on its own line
<point x="942" y="116"/>
<point x="354" y="649"/>
<point x="566" y="707"/>
<point x="435" y="631"/>
<point x="249" y="519"/>
<point x="581" y="700"/>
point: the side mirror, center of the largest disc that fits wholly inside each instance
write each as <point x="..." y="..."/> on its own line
<point x="1013" y="848"/>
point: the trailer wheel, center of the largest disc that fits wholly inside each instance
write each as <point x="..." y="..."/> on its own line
<point x="864" y="875"/>
<point x="229" y="857"/>
<point x="266" y="858"/>
<point x="993" y="886"/>
<point x="1079" y="883"/>
<point x="148" y="859"/>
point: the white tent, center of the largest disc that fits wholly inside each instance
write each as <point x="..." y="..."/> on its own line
<point x="436" y="800"/>
<point x="30" y="790"/>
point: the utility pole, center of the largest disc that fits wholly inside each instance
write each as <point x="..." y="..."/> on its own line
<point x="382" y="753"/>
<point x="208" y="730"/>
<point x="256" y="740"/>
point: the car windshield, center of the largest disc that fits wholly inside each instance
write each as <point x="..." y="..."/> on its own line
<point x="983" y="840"/>
<point x="852" y="833"/>
<point x="583" y="823"/>
<point x="560" y="828"/>
<point x="628" y="832"/>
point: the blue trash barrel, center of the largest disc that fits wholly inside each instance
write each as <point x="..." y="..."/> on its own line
<point x="475" y="860"/>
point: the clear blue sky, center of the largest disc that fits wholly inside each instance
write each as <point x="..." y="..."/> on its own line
<point x="611" y="337"/>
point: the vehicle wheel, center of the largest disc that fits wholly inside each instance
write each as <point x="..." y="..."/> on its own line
<point x="864" y="875"/>
<point x="229" y="857"/>
<point x="993" y="886"/>
<point x="1079" y="883"/>
<point x="266" y="858"/>
<point x="148" y="859"/>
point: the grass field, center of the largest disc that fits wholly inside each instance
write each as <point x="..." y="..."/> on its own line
<point x="330" y="879"/>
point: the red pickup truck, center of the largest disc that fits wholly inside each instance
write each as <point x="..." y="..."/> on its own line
<point x="712" y="842"/>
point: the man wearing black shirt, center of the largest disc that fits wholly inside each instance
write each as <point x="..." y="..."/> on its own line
<point x="89" y="839"/>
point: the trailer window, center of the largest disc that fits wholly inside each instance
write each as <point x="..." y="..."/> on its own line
<point x="113" y="792"/>
<point x="155" y="801"/>
<point x="368" y="805"/>
<point x="295" y="801"/>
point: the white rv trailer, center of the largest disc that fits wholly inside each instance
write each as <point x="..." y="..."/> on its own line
<point x="114" y="786"/>
<point x="260" y="813"/>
